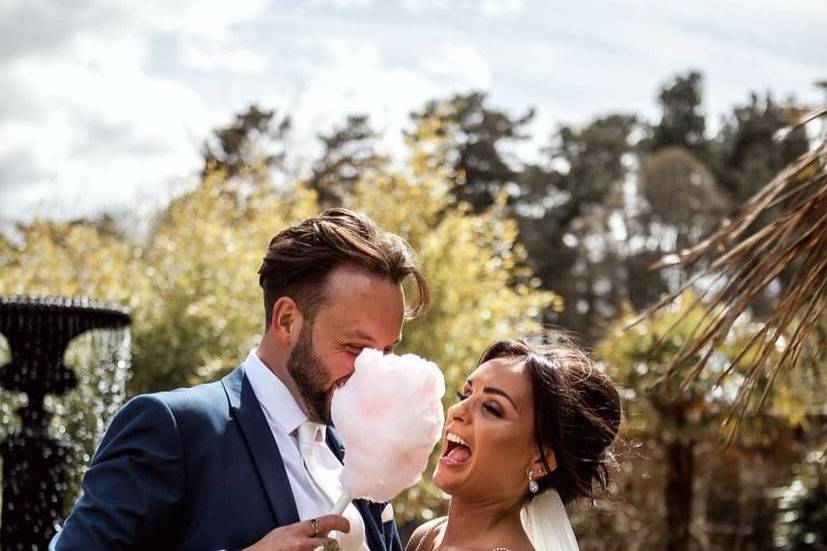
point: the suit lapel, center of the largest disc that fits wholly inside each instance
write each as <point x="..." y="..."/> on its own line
<point x="373" y="528"/>
<point x="262" y="446"/>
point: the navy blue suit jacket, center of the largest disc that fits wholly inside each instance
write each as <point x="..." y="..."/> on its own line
<point x="193" y="469"/>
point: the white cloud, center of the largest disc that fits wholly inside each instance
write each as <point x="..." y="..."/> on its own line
<point x="500" y="8"/>
<point x="106" y="97"/>
<point x="418" y="5"/>
<point x="343" y="3"/>
<point x="487" y="8"/>
<point x="193" y="17"/>
<point x="357" y="78"/>
<point x="86" y="122"/>
<point x="105" y="127"/>
<point x="210" y="55"/>
<point x="458" y="67"/>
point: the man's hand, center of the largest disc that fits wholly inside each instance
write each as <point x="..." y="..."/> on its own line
<point x="302" y="536"/>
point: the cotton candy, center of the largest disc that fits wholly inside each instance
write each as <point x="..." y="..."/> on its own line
<point x="389" y="417"/>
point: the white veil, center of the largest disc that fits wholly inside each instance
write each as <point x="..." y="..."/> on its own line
<point x="546" y="523"/>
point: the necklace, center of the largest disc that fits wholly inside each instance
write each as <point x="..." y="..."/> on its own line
<point x="430" y="533"/>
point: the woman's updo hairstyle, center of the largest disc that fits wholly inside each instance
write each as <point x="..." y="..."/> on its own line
<point x="576" y="412"/>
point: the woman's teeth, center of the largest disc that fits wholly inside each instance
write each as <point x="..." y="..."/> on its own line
<point x="451" y="437"/>
<point x="457" y="451"/>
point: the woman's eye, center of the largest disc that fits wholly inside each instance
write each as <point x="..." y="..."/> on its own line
<point x="493" y="409"/>
<point x="461" y="396"/>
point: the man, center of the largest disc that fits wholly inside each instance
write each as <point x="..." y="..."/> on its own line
<point x="250" y="462"/>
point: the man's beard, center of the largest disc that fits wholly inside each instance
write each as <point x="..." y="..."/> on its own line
<point x="307" y="371"/>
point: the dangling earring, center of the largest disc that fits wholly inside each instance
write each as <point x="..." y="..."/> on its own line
<point x="533" y="487"/>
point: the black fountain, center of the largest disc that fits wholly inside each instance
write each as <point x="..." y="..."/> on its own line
<point x="38" y="331"/>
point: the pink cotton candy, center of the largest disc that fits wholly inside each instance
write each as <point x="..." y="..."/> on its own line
<point x="389" y="417"/>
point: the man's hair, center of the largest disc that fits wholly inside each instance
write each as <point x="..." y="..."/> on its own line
<point x="300" y="258"/>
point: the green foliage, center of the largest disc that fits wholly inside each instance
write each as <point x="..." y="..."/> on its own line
<point x="254" y="139"/>
<point x="465" y="135"/>
<point x="748" y="153"/>
<point x="673" y="423"/>
<point x="594" y="154"/>
<point x="203" y="308"/>
<point x="802" y="524"/>
<point x="348" y="156"/>
<point x="557" y="209"/>
<point x="682" y="122"/>
<point x="639" y="357"/>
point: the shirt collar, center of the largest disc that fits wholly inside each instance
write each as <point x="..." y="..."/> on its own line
<point x="273" y="395"/>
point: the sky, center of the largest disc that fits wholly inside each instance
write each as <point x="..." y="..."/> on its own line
<point x="104" y="104"/>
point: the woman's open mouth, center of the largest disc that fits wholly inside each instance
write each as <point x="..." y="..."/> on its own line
<point x="456" y="451"/>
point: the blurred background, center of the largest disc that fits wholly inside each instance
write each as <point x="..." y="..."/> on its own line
<point x="539" y="157"/>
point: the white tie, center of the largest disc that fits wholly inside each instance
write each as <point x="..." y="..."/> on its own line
<point x="324" y="469"/>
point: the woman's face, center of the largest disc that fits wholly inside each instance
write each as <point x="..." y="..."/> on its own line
<point x="489" y="444"/>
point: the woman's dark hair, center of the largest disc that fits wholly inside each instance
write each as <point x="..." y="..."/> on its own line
<point x="576" y="412"/>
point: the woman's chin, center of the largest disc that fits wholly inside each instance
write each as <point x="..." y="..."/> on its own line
<point x="441" y="479"/>
<point x="447" y="480"/>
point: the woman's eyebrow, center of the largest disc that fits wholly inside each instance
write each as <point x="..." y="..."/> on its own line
<point x="494" y="390"/>
<point x="500" y="392"/>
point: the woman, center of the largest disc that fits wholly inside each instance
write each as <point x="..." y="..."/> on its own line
<point x="531" y="430"/>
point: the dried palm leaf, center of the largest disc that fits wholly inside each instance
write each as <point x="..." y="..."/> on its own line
<point x="742" y="265"/>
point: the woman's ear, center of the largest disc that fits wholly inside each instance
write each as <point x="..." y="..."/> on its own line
<point x="538" y="468"/>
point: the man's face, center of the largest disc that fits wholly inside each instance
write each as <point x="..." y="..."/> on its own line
<point x="361" y="310"/>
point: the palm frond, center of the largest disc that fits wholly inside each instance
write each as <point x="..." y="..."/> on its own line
<point x="743" y="265"/>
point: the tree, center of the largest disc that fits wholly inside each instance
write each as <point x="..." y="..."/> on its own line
<point x="676" y="421"/>
<point x="802" y="523"/>
<point x="349" y="154"/>
<point x="682" y="121"/>
<point x="677" y="202"/>
<point x="254" y="141"/>
<point x="464" y="134"/>
<point x="203" y="307"/>
<point x="747" y="152"/>
<point x="556" y="210"/>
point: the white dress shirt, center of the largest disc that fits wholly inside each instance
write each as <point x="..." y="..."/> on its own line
<point x="284" y="416"/>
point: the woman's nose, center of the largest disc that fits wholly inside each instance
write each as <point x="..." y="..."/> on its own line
<point x="458" y="412"/>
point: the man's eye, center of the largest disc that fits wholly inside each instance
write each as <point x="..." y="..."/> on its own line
<point x="461" y="396"/>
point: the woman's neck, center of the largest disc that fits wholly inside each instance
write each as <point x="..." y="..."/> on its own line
<point x="483" y="525"/>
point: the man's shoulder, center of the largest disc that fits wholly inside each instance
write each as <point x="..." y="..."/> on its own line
<point x="200" y="401"/>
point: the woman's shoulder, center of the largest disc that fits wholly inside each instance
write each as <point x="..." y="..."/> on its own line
<point x="423" y="532"/>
